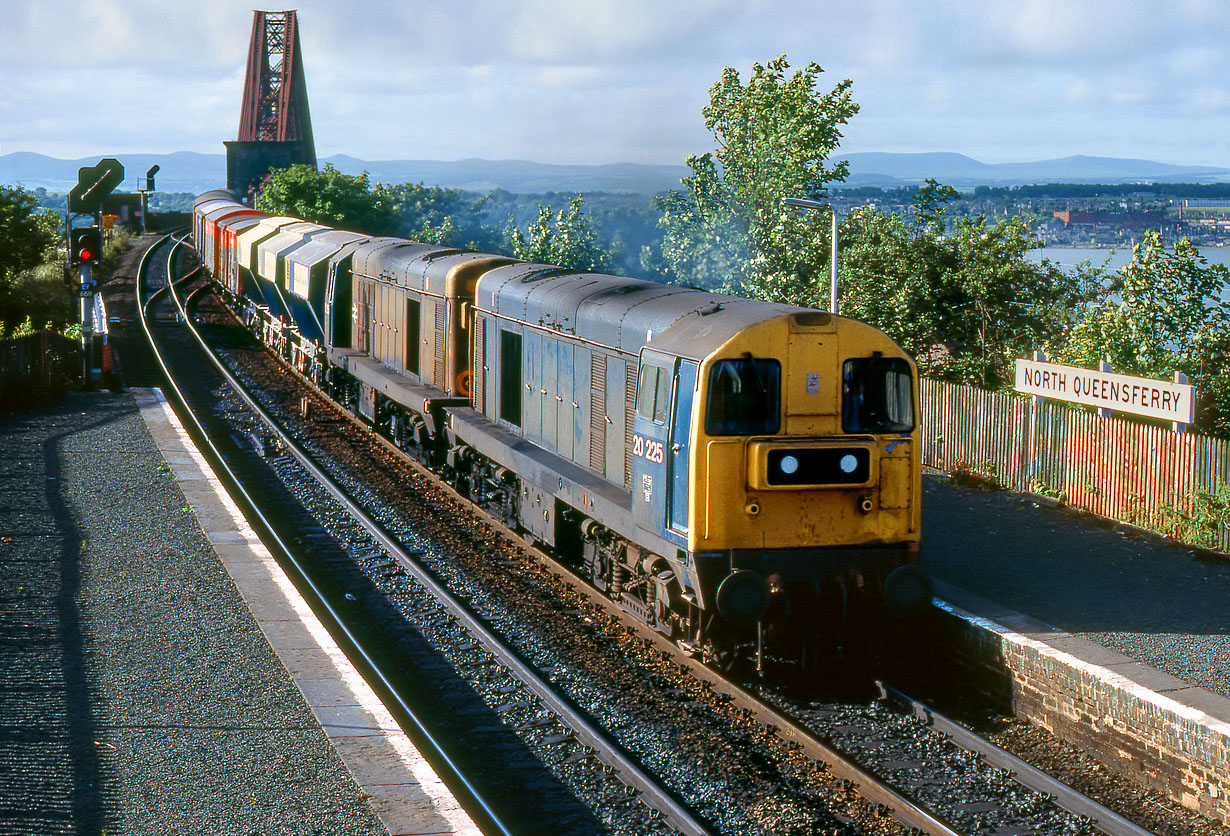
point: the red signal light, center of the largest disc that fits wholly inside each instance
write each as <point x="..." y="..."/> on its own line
<point x="86" y="245"/>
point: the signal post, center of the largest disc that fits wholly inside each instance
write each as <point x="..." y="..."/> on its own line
<point x="94" y="183"/>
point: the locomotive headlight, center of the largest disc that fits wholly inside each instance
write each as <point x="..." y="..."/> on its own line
<point x="815" y="463"/>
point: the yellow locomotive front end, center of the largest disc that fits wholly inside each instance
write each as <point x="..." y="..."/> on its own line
<point x="806" y="476"/>
<point x="807" y="426"/>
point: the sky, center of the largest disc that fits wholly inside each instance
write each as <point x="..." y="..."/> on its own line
<point x="601" y="81"/>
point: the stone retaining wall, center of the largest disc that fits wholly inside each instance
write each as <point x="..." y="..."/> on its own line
<point x="1142" y="723"/>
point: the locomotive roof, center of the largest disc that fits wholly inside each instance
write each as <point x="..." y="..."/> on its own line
<point x="618" y="312"/>
<point x="439" y="268"/>
<point x="407" y="264"/>
<point x="384" y="258"/>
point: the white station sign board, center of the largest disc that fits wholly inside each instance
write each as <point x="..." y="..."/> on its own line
<point x="1135" y="395"/>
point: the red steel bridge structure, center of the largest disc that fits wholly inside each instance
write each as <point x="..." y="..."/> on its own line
<point x="275" y="125"/>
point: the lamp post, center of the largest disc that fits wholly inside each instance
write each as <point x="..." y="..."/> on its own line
<point x="802" y="203"/>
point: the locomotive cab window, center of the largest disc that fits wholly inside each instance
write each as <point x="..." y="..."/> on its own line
<point x="745" y="397"/>
<point x="653" y="393"/>
<point x="877" y="395"/>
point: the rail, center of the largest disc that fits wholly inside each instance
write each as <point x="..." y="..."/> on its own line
<point x="1027" y="775"/>
<point x="452" y="775"/>
<point x="606" y="750"/>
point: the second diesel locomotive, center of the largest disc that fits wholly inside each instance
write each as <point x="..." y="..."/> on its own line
<point x="732" y="472"/>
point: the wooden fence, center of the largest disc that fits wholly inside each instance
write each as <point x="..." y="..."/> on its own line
<point x="1117" y="468"/>
<point x="35" y="365"/>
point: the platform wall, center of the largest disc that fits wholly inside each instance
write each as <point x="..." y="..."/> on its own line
<point x="1141" y="723"/>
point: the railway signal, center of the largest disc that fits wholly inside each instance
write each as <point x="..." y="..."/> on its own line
<point x="93" y="184"/>
<point x="145" y="186"/>
<point x="85" y="246"/>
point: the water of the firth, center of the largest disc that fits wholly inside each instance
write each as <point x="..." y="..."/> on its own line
<point x="1071" y="256"/>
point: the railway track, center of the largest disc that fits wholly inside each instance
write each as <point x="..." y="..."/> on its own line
<point x="789" y="736"/>
<point x="580" y="729"/>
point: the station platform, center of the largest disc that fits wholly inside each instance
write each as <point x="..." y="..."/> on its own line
<point x="138" y="691"/>
<point x="1156" y="601"/>
<point x="1115" y="639"/>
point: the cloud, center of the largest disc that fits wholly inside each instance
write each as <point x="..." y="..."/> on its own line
<point x="608" y="80"/>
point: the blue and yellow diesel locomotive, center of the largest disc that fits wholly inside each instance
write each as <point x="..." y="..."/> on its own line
<point x="732" y="472"/>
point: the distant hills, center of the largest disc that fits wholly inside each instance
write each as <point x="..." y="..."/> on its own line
<point x="962" y="172"/>
<point x="187" y="171"/>
<point x="183" y="171"/>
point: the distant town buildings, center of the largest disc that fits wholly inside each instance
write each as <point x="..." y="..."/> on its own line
<point x="1214" y="214"/>
<point x="1204" y="222"/>
<point x="1116" y="220"/>
<point x="1078" y="215"/>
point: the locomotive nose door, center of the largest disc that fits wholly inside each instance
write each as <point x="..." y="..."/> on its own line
<point x="651" y="480"/>
<point x="661" y="441"/>
<point x="680" y="444"/>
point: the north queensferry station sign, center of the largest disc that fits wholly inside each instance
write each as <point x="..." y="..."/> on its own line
<point x="1106" y="390"/>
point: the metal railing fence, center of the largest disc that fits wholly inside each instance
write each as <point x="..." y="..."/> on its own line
<point x="1114" y="467"/>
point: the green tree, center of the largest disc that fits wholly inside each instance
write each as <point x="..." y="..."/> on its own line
<point x="31" y="268"/>
<point x="966" y="301"/>
<point x="27" y="236"/>
<point x="929" y="205"/>
<point x="1168" y="306"/>
<point x="326" y="197"/>
<point x="727" y="227"/>
<point x="436" y="215"/>
<point x="421" y="213"/>
<point x="1168" y="316"/>
<point x="429" y="214"/>
<point x="565" y="239"/>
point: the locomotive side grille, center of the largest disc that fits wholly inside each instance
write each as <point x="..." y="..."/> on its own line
<point x="597" y="412"/>
<point x="478" y="375"/>
<point x="363" y="317"/>
<point x="629" y="415"/>
<point x="440" y="341"/>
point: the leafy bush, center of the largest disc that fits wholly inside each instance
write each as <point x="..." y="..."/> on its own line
<point x="1199" y="521"/>
<point x="976" y="476"/>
